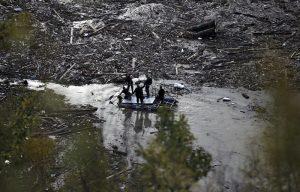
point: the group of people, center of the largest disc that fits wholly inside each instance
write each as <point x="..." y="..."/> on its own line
<point x="138" y="91"/>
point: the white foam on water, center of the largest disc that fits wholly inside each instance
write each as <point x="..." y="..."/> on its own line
<point x="224" y="129"/>
<point x="36" y="85"/>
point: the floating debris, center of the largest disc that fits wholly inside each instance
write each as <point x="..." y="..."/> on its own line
<point x="226" y="99"/>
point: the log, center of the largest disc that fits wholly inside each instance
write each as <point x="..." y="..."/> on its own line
<point x="202" y="27"/>
<point x="261" y="19"/>
<point x="71" y="35"/>
<point x="203" y="34"/>
<point x="272" y="33"/>
<point x="155" y="35"/>
<point x="90" y="110"/>
<point x="101" y="74"/>
<point x="67" y="71"/>
<point x="61" y="19"/>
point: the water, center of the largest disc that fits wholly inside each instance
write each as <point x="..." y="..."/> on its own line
<point x="224" y="129"/>
<point x="122" y="128"/>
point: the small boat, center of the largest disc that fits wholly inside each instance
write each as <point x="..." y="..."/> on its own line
<point x="149" y="104"/>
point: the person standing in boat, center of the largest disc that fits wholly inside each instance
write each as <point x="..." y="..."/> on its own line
<point x="139" y="94"/>
<point x="129" y="82"/>
<point x="147" y="83"/>
<point x="126" y="93"/>
<point x="161" y="94"/>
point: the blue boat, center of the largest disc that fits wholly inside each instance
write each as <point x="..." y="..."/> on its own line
<point x="149" y="104"/>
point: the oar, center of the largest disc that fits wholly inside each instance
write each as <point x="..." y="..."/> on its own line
<point x="110" y="97"/>
<point x="110" y="102"/>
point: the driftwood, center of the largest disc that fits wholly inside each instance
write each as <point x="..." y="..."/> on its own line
<point x="272" y="33"/>
<point x="262" y="19"/>
<point x="61" y="19"/>
<point x="101" y="74"/>
<point x="119" y="173"/>
<point x="155" y="35"/>
<point x="193" y="56"/>
<point x="202" y="27"/>
<point x="70" y="131"/>
<point x="133" y="62"/>
<point x="67" y="71"/>
<point x="71" y="35"/>
<point x="202" y="34"/>
<point x="89" y="110"/>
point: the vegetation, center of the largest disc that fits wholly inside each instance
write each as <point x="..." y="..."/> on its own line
<point x="171" y="162"/>
<point x="16" y="32"/>
<point x="277" y="167"/>
<point x="87" y="164"/>
<point x="25" y="159"/>
<point x="30" y="161"/>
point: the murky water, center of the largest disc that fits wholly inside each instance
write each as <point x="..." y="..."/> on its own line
<point x="224" y="129"/>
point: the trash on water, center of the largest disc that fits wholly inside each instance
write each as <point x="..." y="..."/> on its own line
<point x="18" y="9"/>
<point x="87" y="28"/>
<point x="226" y="99"/>
<point x="203" y="30"/>
<point x="178" y="86"/>
<point x="128" y="39"/>
<point x="140" y="79"/>
<point x="245" y="96"/>
<point x="52" y="137"/>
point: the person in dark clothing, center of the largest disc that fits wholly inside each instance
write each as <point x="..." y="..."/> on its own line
<point x="126" y="93"/>
<point x="147" y="83"/>
<point x="161" y="94"/>
<point x="129" y="82"/>
<point x="139" y="94"/>
<point x="25" y="83"/>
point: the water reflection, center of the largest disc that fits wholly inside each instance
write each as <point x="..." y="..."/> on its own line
<point x="142" y="121"/>
<point x="170" y="161"/>
<point x="86" y="162"/>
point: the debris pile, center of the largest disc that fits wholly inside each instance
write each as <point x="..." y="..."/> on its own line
<point x="152" y="13"/>
<point x="78" y="43"/>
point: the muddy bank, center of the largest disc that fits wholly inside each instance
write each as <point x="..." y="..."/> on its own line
<point x="141" y="37"/>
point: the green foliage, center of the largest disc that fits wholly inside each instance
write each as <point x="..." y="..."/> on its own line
<point x="39" y="150"/>
<point x="16" y="120"/>
<point x="31" y="158"/>
<point x="19" y="117"/>
<point x="277" y="167"/>
<point x="16" y="32"/>
<point x="282" y="139"/>
<point x="87" y="163"/>
<point x="171" y="163"/>
<point x="31" y="168"/>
